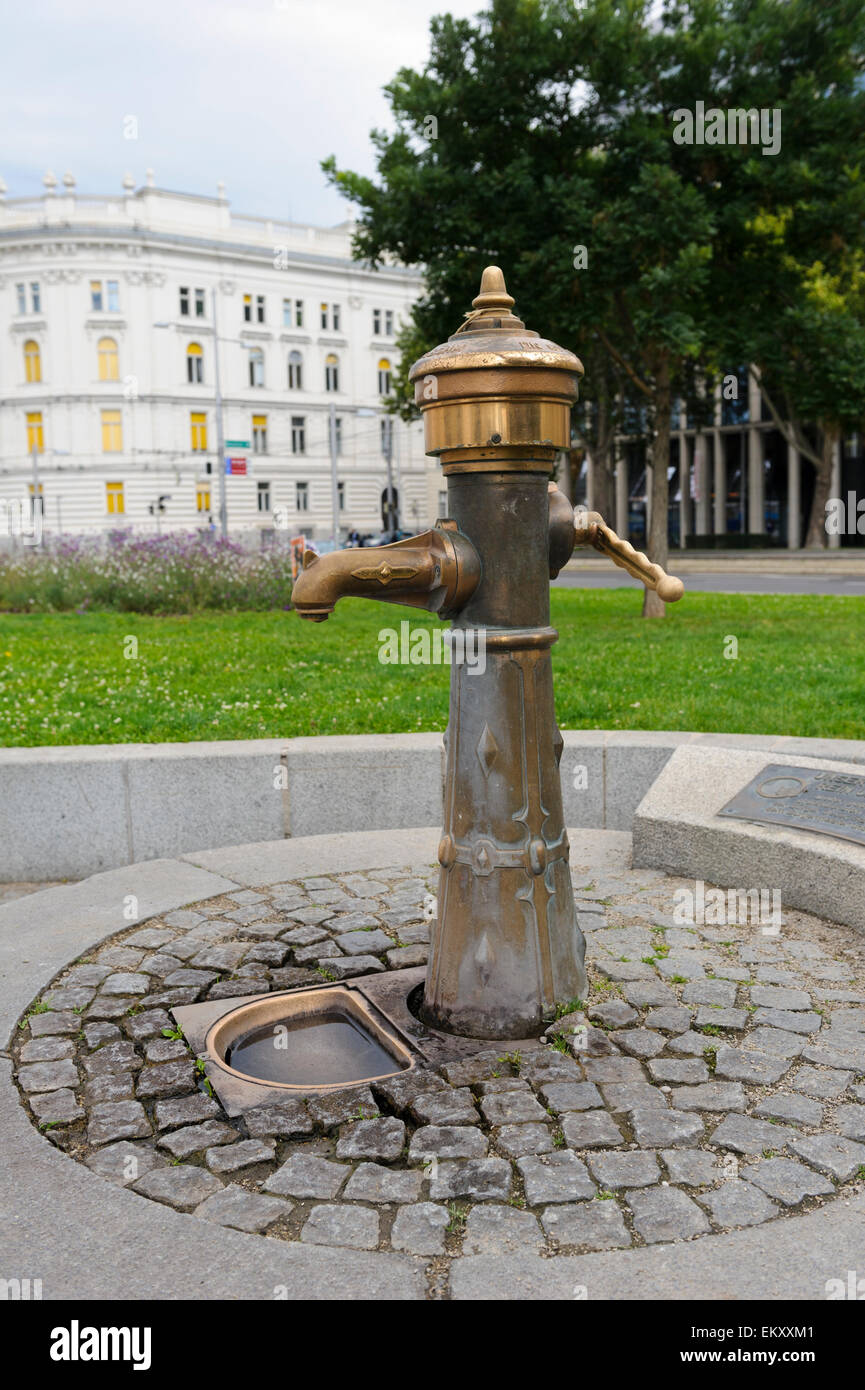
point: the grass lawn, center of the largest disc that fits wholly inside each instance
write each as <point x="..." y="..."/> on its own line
<point x="67" y="678"/>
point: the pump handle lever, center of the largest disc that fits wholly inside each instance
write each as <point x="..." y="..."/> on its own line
<point x="591" y="529"/>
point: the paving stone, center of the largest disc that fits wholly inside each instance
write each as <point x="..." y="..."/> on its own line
<point x="777" y="997"/>
<point x="590" y="1129"/>
<point x="512" y="1107"/>
<point x="721" y="992"/>
<point x="124" y="1163"/>
<point x="183" y="917"/>
<point x="151" y="938"/>
<point x="352" y="1227"/>
<point x="797" y="1110"/>
<point x="124" y="983"/>
<point x="124" y="1119"/>
<point x="590" y="1225"/>
<point x="445" y="1108"/>
<point x="688" y="1071"/>
<point x="691" y="1167"/>
<point x="857" y="1092"/>
<point x="165" y="1050"/>
<point x="170" y="1114"/>
<point x="654" y="1128"/>
<point x="120" y="958"/>
<point x="737" y="1203"/>
<point x="284" y="1119"/>
<point x="320" y="951"/>
<point x="105" y="1006"/>
<point x="787" y="1181"/>
<point x="364" y="943"/>
<point x="420" y="1229"/>
<point x="196" y="979"/>
<point x="242" y="1210"/>
<point x="821" y="1083"/>
<point x="484" y="1066"/>
<point x="406" y="957"/>
<point x="383" y="1139"/>
<point x="446" y="1141"/>
<point x="624" y="972"/>
<point x="182" y="1187"/>
<point x="849" y="1119"/>
<point x="501" y="1230"/>
<point x="688" y="1044"/>
<point x="399" y="1092"/>
<point x="500" y="1084"/>
<point x="517" y="1140"/>
<point x="829" y="1153"/>
<point x="757" y="1068"/>
<point x="302" y="936"/>
<point x="161" y="965"/>
<point x="639" y="1042"/>
<point x="305" y="1175"/>
<point x="97" y="1034"/>
<point x="550" y="1065"/>
<point x="56" y="1107"/>
<point x="417" y="935"/>
<point x="347" y="967"/>
<point x="665" y="1213"/>
<point x="684" y="965"/>
<point x="114" y="1085"/>
<point x="241" y="1155"/>
<point x="114" y="1056"/>
<point x="732" y="972"/>
<point x="148" y="1024"/>
<point x="633" y="1095"/>
<point x="709" y="1015"/>
<point x="563" y="1096"/>
<point x="193" y="1139"/>
<point x="71" y="998"/>
<point x="714" y="1096"/>
<point x="169" y="1079"/>
<point x="555" y="1177"/>
<point x="771" y="975"/>
<point x="649" y="993"/>
<point x="673" y="1018"/>
<point x="617" y="1170"/>
<point x="746" y="1135"/>
<point x="615" y="1014"/>
<point x="777" y="1042"/>
<point x="338" y="1107"/>
<point x="48" y="1076"/>
<point x="613" y="1070"/>
<point x="789" y="1020"/>
<point x="481" y="1178"/>
<point x="56" y="1049"/>
<point x="86" y="975"/>
<point x="841" y="1056"/>
<point x="370" y="1182"/>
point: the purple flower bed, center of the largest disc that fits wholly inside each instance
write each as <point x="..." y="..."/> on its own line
<point x="182" y="572"/>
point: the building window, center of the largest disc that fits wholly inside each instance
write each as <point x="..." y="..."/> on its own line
<point x="256" y="367"/>
<point x="194" y="364"/>
<point x="259" y="308"/>
<point x="388" y="323"/>
<point x="96" y="296"/>
<point x="114" y="503"/>
<point x="259" y="434"/>
<point x="298" y="313"/>
<point x="386" y="427"/>
<point x="21" y="294"/>
<point x="32" y="361"/>
<point x="184" y="301"/>
<point x="37" y="502"/>
<point x="200" y="311"/>
<point x="35" y="437"/>
<point x="113" y="289"/>
<point x="198" y="431"/>
<point x="376" y="323"/>
<point x="202" y="498"/>
<point x="112" y="432"/>
<point x="340" y="489"/>
<point x="287" y="313"/>
<point x="301" y="496"/>
<point x="324" y="316"/>
<point x="331" y="372"/>
<point x="295" y="371"/>
<point x="107" y="360"/>
<point x="247" y="308"/>
<point x="35" y="297"/>
<point x="298" y="434"/>
<point x="384" y="376"/>
<point x="334" y="318"/>
<point x="264" y="497"/>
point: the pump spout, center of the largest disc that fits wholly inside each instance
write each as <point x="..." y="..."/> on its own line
<point x="438" y="570"/>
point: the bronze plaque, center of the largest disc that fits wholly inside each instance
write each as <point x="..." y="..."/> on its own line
<point x="830" y="803"/>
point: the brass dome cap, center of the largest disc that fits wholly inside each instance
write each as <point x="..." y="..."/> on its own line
<point x="493" y="336"/>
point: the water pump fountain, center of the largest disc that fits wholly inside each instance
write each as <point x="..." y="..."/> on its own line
<point x="496" y="401"/>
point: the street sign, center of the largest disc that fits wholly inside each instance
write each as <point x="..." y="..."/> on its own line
<point x="236" y="467"/>
<point x="237" y="443"/>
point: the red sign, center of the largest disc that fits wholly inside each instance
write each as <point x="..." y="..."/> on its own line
<point x="236" y="467"/>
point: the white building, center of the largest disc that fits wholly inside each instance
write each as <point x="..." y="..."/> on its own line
<point x="107" y="367"/>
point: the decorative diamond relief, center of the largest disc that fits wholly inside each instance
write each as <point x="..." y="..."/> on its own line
<point x="487" y="750"/>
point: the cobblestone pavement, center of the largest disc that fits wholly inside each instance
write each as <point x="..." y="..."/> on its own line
<point x="715" y="1080"/>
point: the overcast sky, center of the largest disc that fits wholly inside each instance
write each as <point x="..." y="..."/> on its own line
<point x="253" y="93"/>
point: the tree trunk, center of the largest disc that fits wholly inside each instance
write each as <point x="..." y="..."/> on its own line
<point x="816" y="536"/>
<point x="602" y="458"/>
<point x="658" y="546"/>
